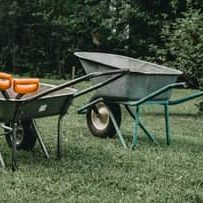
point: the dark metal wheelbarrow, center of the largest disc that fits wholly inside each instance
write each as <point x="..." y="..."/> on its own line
<point x="23" y="103"/>
<point x="145" y="83"/>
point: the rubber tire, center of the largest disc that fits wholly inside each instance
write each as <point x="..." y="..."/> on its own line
<point x="29" y="136"/>
<point x="109" y="131"/>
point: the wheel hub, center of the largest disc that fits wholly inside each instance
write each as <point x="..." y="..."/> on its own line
<point x="101" y="118"/>
<point x="19" y="135"/>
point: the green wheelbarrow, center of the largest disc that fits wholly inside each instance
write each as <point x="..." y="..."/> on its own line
<point x="145" y="83"/>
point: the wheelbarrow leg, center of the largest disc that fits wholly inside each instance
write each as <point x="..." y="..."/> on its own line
<point x="39" y="138"/>
<point x="118" y="132"/>
<point x="149" y="135"/>
<point x="136" y="126"/>
<point x="59" y="135"/>
<point x="14" y="158"/>
<point x="2" y="160"/>
<point x="167" y="124"/>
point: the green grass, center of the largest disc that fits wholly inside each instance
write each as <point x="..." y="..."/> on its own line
<point x="100" y="170"/>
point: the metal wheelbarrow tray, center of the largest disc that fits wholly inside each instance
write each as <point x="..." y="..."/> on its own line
<point x="48" y="105"/>
<point x="143" y="77"/>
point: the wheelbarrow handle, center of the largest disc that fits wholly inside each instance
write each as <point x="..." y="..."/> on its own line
<point x="86" y="77"/>
<point x="5" y="127"/>
<point x="101" y="84"/>
<point x="186" y="98"/>
<point x="159" y="91"/>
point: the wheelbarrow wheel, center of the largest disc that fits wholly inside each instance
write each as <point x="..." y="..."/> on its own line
<point x="98" y="119"/>
<point x="26" y="136"/>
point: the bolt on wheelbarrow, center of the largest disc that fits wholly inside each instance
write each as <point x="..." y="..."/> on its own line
<point x="24" y="100"/>
<point x="145" y="83"/>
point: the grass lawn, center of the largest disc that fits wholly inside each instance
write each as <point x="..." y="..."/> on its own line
<point x="100" y="170"/>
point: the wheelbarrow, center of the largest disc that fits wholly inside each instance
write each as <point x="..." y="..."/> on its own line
<point x="145" y="83"/>
<point x="24" y="100"/>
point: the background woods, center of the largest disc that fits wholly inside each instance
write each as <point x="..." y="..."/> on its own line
<point x="39" y="37"/>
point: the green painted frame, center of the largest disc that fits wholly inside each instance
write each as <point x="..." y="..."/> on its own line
<point x="149" y="99"/>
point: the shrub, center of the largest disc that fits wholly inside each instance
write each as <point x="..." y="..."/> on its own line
<point x="184" y="45"/>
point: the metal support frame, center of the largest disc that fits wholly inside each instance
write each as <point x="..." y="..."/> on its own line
<point x="144" y="129"/>
<point x="136" y="126"/>
<point x="167" y="124"/>
<point x="2" y="161"/>
<point x="14" y="147"/>
<point x="149" y="99"/>
<point x="136" y="118"/>
<point x="186" y="98"/>
<point x="120" y="137"/>
<point x="40" y="140"/>
<point x="14" y="154"/>
<point x="59" y="138"/>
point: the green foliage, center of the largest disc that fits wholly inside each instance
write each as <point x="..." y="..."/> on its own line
<point x="184" y="42"/>
<point x="39" y="37"/>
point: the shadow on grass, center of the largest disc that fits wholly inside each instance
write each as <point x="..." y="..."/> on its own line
<point x="74" y="158"/>
<point x="90" y="157"/>
<point x="177" y="143"/>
